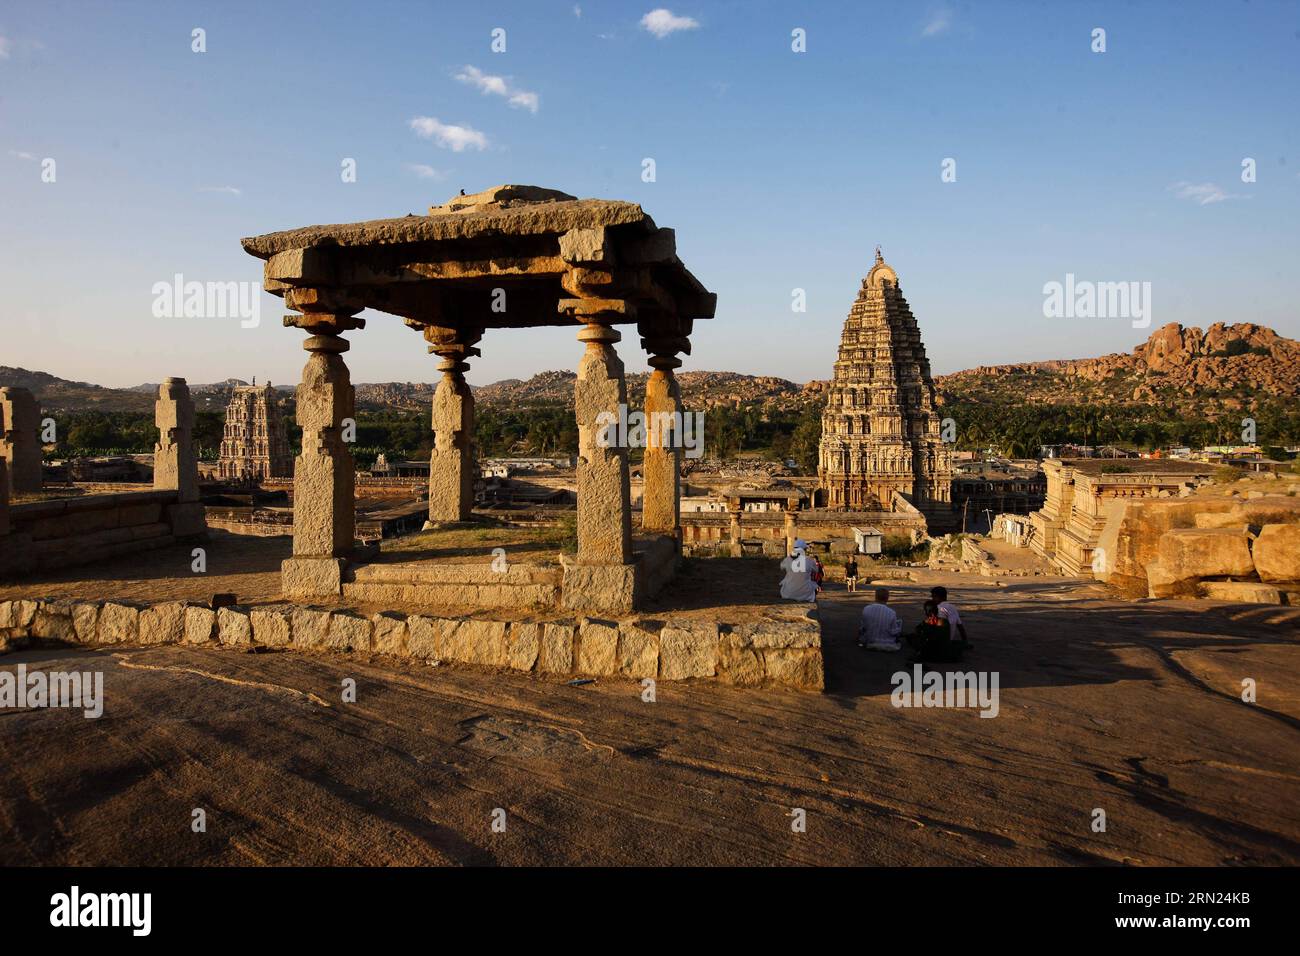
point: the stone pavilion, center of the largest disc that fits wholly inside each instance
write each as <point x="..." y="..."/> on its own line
<point x="507" y="258"/>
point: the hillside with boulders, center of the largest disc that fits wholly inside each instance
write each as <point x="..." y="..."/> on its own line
<point x="1222" y="368"/>
<point x="699" y="390"/>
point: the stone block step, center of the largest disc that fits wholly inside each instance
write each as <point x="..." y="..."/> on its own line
<point x="470" y="596"/>
<point x="476" y="574"/>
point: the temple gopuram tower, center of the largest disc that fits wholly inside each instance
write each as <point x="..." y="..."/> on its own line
<point x="880" y="428"/>
<point x="255" y="444"/>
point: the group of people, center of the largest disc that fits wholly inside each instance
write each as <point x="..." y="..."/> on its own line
<point x="939" y="638"/>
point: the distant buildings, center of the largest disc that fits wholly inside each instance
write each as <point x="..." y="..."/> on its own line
<point x="1077" y="526"/>
<point x="255" y="444"/>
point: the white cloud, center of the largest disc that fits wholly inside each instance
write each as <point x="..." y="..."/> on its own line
<point x="527" y="100"/>
<point x="939" y="22"/>
<point x="22" y="154"/>
<point x="228" y="190"/>
<point x="1204" y="193"/>
<point x="455" y="138"/>
<point x="5" y="46"/>
<point x="577" y="11"/>
<point x="499" y="86"/>
<point x="425" y="172"/>
<point x="663" y="21"/>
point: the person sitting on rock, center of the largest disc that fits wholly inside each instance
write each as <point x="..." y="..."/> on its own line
<point x="949" y="613"/>
<point x="932" y="639"/>
<point x="880" y="626"/>
<point x="798" y="584"/>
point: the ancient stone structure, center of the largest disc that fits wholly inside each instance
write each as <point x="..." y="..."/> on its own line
<point x="880" y="429"/>
<point x="782" y="647"/>
<point x="254" y="444"/>
<point x="175" y="462"/>
<point x="19" y="443"/>
<point x="452" y="467"/>
<point x="1083" y="506"/>
<point x="57" y="532"/>
<point x="509" y="257"/>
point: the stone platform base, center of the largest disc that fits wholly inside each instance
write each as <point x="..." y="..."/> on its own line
<point x="602" y="589"/>
<point x="780" y="646"/>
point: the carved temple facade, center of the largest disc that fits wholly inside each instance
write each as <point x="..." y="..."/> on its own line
<point x="254" y="444"/>
<point x="880" y="427"/>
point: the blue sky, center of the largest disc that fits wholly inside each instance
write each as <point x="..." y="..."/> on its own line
<point x="779" y="170"/>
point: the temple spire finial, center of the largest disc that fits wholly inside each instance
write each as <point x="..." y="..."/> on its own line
<point x="879" y="258"/>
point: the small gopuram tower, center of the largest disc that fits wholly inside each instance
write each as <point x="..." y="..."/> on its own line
<point x="254" y="444"/>
<point x="880" y="429"/>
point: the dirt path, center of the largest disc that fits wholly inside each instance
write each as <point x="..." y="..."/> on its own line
<point x="1131" y="708"/>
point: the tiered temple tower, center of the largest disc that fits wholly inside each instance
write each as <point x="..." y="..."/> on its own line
<point x="880" y="429"/>
<point x="255" y="444"/>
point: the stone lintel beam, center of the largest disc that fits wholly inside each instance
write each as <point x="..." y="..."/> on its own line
<point x="588" y="283"/>
<point x="362" y="274"/>
<point x="601" y="311"/>
<point x="587" y="246"/>
<point x="323" y="300"/>
<point x="658" y="246"/>
<point x="300" y="267"/>
<point x="604" y="488"/>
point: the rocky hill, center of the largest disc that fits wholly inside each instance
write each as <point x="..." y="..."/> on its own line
<point x="699" y="389"/>
<point x="1223" y="367"/>
<point x="1201" y="372"/>
<point x="58" y="394"/>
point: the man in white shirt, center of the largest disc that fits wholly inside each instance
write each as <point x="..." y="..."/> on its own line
<point x="880" y="625"/>
<point x="948" y="612"/>
<point x="798" y="584"/>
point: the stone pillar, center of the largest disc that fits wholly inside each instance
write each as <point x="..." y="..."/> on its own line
<point x="324" y="474"/>
<point x="15" y="549"/>
<point x="452" y="468"/>
<point x="603" y="578"/>
<point x="175" y="465"/>
<point x="737" y="550"/>
<point x="790" y="533"/>
<point x="661" y="501"/>
<point x="19" y="446"/>
<point x="604" y="488"/>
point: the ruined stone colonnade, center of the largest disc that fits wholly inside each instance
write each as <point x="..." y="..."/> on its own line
<point x="54" y="532"/>
<point x="511" y="257"/>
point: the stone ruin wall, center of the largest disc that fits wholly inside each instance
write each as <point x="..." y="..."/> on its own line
<point x="71" y="531"/>
<point x="781" y="648"/>
<point x="57" y="532"/>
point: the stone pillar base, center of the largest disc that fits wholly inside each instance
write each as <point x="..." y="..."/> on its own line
<point x="604" y="588"/>
<point x="187" y="520"/>
<point x="311" y="577"/>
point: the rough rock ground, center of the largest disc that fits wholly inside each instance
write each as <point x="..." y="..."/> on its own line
<point x="1130" y="707"/>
